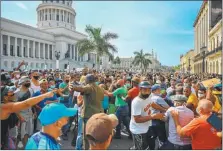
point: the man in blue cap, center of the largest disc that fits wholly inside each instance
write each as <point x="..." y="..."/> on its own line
<point x="159" y="105"/>
<point x="52" y="118"/>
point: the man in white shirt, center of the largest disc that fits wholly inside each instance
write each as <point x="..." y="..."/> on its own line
<point x="141" y="117"/>
<point x="175" y="142"/>
<point x="172" y="87"/>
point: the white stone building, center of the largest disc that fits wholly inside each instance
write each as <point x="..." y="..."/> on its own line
<point x="126" y="64"/>
<point x="55" y="32"/>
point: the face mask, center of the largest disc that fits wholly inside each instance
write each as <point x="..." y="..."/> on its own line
<point x="200" y="95"/>
<point x="128" y="85"/>
<point x="67" y="81"/>
<point x="144" y="96"/>
<point x="36" y="77"/>
<point x="17" y="76"/>
<point x="52" y="86"/>
<point x="27" y="85"/>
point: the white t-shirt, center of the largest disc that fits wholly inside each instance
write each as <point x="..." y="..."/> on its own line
<point x="140" y="107"/>
<point x="35" y="88"/>
<point x="185" y="116"/>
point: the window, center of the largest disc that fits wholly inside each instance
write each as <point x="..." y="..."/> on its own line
<point x="11" y="50"/>
<point x="51" y="53"/>
<point x="5" y="49"/>
<point x="24" y="52"/>
<point x="6" y="63"/>
<point x="12" y="64"/>
<point x="62" y="17"/>
<point x="18" y="52"/>
<point x="46" y="17"/>
<point x="57" y="17"/>
<point x="30" y="55"/>
<point x="63" y="1"/>
<point x="37" y="65"/>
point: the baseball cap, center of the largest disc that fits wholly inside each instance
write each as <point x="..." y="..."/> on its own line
<point x="89" y="78"/>
<point x="144" y="84"/>
<point x="23" y="79"/>
<point x="55" y="111"/>
<point x="155" y="87"/>
<point x="100" y="126"/>
<point x="179" y="98"/>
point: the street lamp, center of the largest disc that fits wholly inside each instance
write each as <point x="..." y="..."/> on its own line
<point x="203" y="49"/>
<point x="57" y="55"/>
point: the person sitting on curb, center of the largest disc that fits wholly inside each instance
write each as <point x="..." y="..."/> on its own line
<point x="52" y="118"/>
<point x="99" y="130"/>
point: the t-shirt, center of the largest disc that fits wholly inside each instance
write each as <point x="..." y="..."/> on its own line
<point x="133" y="92"/>
<point x="217" y="105"/>
<point x="160" y="101"/>
<point x="21" y="96"/>
<point x="35" y="88"/>
<point x="42" y="103"/>
<point x="42" y="141"/>
<point x="203" y="135"/>
<point x="93" y="96"/>
<point x="66" y="92"/>
<point x="193" y="100"/>
<point x="140" y="107"/>
<point x="119" y="93"/>
<point x="105" y="102"/>
<point x="185" y="116"/>
<point x="169" y="90"/>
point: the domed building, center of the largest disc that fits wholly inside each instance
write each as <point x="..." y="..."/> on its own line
<point x="54" y="39"/>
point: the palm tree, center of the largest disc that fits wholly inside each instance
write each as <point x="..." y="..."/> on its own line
<point x="97" y="42"/>
<point x="141" y="59"/>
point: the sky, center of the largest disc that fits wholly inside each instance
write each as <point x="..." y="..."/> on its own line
<point x="166" y="27"/>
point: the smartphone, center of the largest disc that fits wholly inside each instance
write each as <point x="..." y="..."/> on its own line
<point x="215" y="121"/>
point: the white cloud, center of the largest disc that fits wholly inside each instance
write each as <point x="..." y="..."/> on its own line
<point x="21" y="5"/>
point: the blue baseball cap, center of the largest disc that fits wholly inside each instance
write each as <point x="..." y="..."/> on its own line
<point x="155" y="87"/>
<point x="53" y="112"/>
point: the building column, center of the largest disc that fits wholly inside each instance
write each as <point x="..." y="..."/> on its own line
<point x="39" y="50"/>
<point x="63" y="16"/>
<point x="16" y="47"/>
<point x="8" y="46"/>
<point x="2" y="45"/>
<point x="22" y="48"/>
<point x="44" y="51"/>
<point x="48" y="52"/>
<point x="34" y="51"/>
<point x="28" y="48"/>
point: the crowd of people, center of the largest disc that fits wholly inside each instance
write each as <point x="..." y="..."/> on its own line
<point x="38" y="108"/>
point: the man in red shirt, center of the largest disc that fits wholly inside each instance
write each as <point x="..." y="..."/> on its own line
<point x="133" y="92"/>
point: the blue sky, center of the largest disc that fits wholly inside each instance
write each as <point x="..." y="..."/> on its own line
<point x="166" y="27"/>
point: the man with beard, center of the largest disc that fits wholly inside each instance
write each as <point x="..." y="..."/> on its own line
<point x="40" y="106"/>
<point x="26" y="116"/>
<point x="141" y="117"/>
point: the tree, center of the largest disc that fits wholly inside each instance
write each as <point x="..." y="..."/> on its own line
<point x="98" y="42"/>
<point x="142" y="60"/>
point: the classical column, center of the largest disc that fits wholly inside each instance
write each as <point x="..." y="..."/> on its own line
<point x="34" y="49"/>
<point x="48" y="52"/>
<point x="8" y="46"/>
<point x="39" y="50"/>
<point x="16" y="47"/>
<point x="44" y="51"/>
<point x="28" y="48"/>
<point x="2" y="45"/>
<point x="22" y="48"/>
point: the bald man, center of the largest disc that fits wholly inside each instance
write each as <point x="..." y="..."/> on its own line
<point x="203" y="135"/>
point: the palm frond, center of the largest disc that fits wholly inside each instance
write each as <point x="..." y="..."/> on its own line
<point x="109" y="36"/>
<point x="85" y="46"/>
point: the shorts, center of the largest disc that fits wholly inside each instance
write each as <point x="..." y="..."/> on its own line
<point x="13" y="132"/>
<point x="27" y="127"/>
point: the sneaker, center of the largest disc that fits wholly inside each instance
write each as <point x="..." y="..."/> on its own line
<point x="132" y="148"/>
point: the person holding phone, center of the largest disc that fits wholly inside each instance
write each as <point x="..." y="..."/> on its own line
<point x="203" y="135"/>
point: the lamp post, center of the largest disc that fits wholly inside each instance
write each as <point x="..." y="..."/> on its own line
<point x="57" y="55"/>
<point x="203" y="49"/>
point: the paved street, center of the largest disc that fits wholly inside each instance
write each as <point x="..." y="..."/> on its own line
<point x="120" y="144"/>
